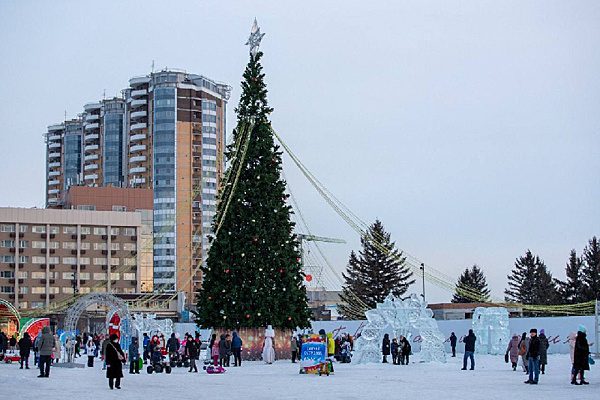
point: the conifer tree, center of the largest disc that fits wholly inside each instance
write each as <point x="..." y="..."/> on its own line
<point x="530" y="282"/>
<point x="253" y="275"/>
<point x="591" y="270"/>
<point x="573" y="290"/>
<point x="471" y="287"/>
<point x="379" y="269"/>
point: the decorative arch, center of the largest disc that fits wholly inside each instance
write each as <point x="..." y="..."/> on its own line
<point x="402" y="315"/>
<point x="114" y="304"/>
<point x="10" y="318"/>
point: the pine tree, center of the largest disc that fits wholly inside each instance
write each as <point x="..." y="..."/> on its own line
<point x="530" y="282"/>
<point x="471" y="287"/>
<point x="573" y="290"/>
<point x="253" y="275"/>
<point x="379" y="269"/>
<point x="591" y="270"/>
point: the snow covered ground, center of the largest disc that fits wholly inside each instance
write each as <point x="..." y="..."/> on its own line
<point x="492" y="379"/>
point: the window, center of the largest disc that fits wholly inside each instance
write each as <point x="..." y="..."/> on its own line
<point x="98" y="230"/>
<point x="67" y="289"/>
<point x="37" y="304"/>
<point x="129" y="276"/>
<point x="115" y="246"/>
<point x="7" y="274"/>
<point x="38" y="275"/>
<point x="69" y="260"/>
<point x="7" y="243"/>
<point x="52" y="275"/>
<point x="129" y="231"/>
<point x="38" y="229"/>
<point x="71" y="230"/>
<point x="23" y="274"/>
<point x="85" y="230"/>
<point x="84" y="276"/>
<point x="69" y="245"/>
<point x="23" y="244"/>
<point x="7" y="259"/>
<point x="129" y="262"/>
<point x="38" y="290"/>
<point x="23" y="228"/>
<point x="23" y="304"/>
<point x="99" y="246"/>
<point x="99" y="276"/>
<point x="84" y="260"/>
<point x="86" y="207"/>
<point x="54" y="229"/>
<point x="53" y="245"/>
<point x="54" y="290"/>
<point x="68" y="275"/>
<point x="84" y="290"/>
<point x="53" y="260"/>
<point x="38" y="245"/>
<point x="7" y="289"/>
<point x="119" y="208"/>
<point x="23" y="290"/>
<point x="86" y="246"/>
<point x="129" y="246"/>
<point x="24" y="259"/>
<point x="114" y="231"/>
<point x="7" y="228"/>
<point x="115" y="276"/>
<point x="100" y="261"/>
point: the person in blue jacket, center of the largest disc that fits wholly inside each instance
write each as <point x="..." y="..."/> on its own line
<point x="134" y="356"/>
<point x="236" y="348"/>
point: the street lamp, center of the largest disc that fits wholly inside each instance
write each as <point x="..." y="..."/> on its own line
<point x="423" y="272"/>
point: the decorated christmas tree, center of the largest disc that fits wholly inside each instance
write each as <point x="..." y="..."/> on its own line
<point x="253" y="275"/>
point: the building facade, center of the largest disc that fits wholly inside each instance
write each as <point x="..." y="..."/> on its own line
<point x="47" y="256"/>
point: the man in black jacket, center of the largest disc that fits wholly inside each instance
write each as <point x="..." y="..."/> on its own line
<point x="469" y="342"/>
<point x="453" y="344"/>
<point x="533" y="357"/>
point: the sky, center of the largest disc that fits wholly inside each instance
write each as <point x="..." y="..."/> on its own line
<point x="471" y="129"/>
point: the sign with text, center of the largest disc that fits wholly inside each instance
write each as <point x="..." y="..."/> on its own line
<point x="313" y="354"/>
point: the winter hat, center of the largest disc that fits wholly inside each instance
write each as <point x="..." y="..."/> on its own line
<point x="581" y="329"/>
<point x="542" y="332"/>
<point x="533" y="330"/>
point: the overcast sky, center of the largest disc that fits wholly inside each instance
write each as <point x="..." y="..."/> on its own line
<point x="470" y="128"/>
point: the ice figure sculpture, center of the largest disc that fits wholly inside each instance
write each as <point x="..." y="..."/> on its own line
<point x="147" y="323"/>
<point x="490" y="325"/>
<point x="402" y="316"/>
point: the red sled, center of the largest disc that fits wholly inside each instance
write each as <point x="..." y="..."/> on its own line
<point x="11" y="356"/>
<point x="214" y="370"/>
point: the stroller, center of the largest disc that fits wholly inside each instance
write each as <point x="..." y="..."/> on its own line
<point x="158" y="362"/>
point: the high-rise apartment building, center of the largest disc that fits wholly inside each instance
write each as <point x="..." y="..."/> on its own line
<point x="167" y="134"/>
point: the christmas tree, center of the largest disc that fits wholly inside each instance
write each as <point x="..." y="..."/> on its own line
<point x="471" y="287"/>
<point x="379" y="269"/>
<point x="253" y="274"/>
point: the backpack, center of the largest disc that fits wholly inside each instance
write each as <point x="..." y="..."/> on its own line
<point x="522" y="348"/>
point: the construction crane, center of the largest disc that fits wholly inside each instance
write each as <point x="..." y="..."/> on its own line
<point x="312" y="238"/>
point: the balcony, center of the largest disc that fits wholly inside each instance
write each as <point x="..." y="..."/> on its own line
<point x="139" y="136"/>
<point x="137" y="170"/>
<point x="54" y="145"/>
<point x="90" y="167"/>
<point x="138" y="93"/>
<point x="137" y="147"/>
<point x="91" y="117"/>
<point x="53" y="200"/>
<point x="57" y="127"/>
<point x="141" y="125"/>
<point x="54" y="155"/>
<point x="54" y="165"/>
<point x="54" y="137"/>
<point x="137" y="181"/>
<point x="53" y="191"/>
<point x="91" y="157"/>
<point x="138" y="102"/>
<point x="90" y="177"/>
<point x="94" y="125"/>
<point x="93" y="136"/>
<point x="91" y="147"/>
<point x="92" y="106"/>
<point x="53" y="182"/>
<point x="54" y="173"/>
<point x="139" y="80"/>
<point x="138" y="114"/>
<point x="135" y="159"/>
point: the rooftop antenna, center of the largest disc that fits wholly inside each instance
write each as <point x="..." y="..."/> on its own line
<point x="104" y="95"/>
<point x="65" y="115"/>
<point x="152" y="66"/>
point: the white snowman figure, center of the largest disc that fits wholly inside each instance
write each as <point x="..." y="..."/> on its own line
<point x="268" y="353"/>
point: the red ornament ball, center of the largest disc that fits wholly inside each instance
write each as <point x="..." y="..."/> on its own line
<point x="227" y="271"/>
<point x="308" y="278"/>
<point x="247" y="315"/>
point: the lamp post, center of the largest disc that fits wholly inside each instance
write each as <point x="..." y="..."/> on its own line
<point x="423" y="272"/>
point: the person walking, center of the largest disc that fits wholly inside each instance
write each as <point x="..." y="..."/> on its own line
<point x="453" y="340"/>
<point x="523" y="346"/>
<point x="173" y="347"/>
<point x="294" y="348"/>
<point x="513" y="351"/>
<point x="385" y="347"/>
<point x="394" y="349"/>
<point x="581" y="357"/>
<point x="544" y="344"/>
<point x="46" y="347"/>
<point x="36" y="344"/>
<point x="90" y="350"/>
<point x="236" y="348"/>
<point x="77" y="346"/>
<point x="114" y="358"/>
<point x="405" y="349"/>
<point x="25" y="346"/>
<point x="134" y="356"/>
<point x="222" y="350"/>
<point x="469" y="342"/>
<point x="105" y="343"/>
<point x="191" y="351"/>
<point x="57" y="354"/>
<point x="533" y="357"/>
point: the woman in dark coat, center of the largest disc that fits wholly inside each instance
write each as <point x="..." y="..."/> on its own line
<point x="25" y="346"/>
<point x="385" y="347"/>
<point x="114" y="358"/>
<point x="581" y="357"/>
<point x="544" y="344"/>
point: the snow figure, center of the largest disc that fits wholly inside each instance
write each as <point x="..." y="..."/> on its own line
<point x="147" y="323"/>
<point x="490" y="325"/>
<point x="268" y="353"/>
<point x="402" y="316"/>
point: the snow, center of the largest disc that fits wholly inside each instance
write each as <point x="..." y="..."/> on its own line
<point x="492" y="379"/>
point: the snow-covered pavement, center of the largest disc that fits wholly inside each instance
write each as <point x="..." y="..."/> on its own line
<point x="492" y="379"/>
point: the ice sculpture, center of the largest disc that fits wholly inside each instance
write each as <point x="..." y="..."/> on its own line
<point x="147" y="323"/>
<point x="402" y="316"/>
<point x="490" y="325"/>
